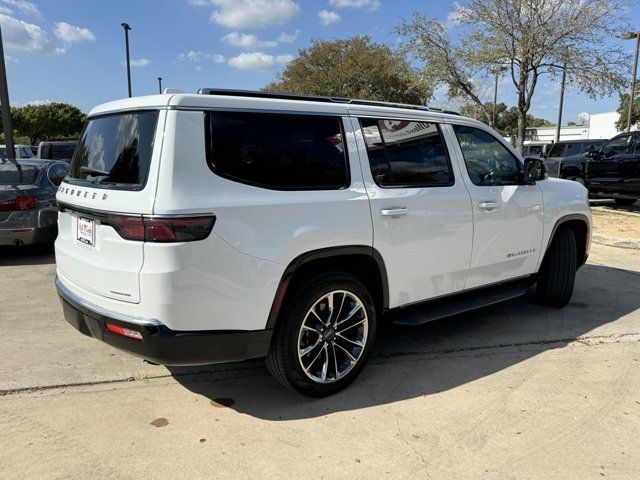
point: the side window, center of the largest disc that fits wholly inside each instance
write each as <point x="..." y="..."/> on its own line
<point x="488" y="161"/>
<point x="56" y="173"/>
<point x="557" y="150"/>
<point x="572" y="149"/>
<point x="618" y="146"/>
<point x="282" y="152"/>
<point x="406" y="154"/>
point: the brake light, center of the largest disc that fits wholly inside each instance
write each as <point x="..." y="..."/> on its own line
<point x="20" y="203"/>
<point x="158" y="229"/>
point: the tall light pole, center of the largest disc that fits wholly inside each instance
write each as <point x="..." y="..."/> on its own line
<point x="6" y="112"/>
<point x="159" y="84"/>
<point x="629" y="36"/>
<point x="497" y="71"/>
<point x="126" y="42"/>
<point x="564" y="79"/>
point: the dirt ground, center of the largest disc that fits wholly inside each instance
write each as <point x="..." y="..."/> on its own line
<point x="616" y="224"/>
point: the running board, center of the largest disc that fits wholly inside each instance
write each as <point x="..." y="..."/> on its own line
<point x="460" y="302"/>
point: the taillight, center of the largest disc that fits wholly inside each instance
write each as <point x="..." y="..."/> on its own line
<point x="159" y="229"/>
<point x="20" y="203"/>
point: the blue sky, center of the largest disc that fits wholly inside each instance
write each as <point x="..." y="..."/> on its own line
<point x="73" y="50"/>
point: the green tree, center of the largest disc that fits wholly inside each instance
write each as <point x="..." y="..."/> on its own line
<point x="353" y="68"/>
<point x="623" y="110"/>
<point x="47" y="121"/>
<point x="506" y="118"/>
<point x="531" y="39"/>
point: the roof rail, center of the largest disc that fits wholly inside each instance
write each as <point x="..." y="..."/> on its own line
<point x="317" y="98"/>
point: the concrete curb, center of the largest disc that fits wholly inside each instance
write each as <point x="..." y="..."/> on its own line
<point x="630" y="243"/>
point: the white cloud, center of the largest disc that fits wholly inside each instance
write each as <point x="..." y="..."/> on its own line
<point x="198" y="3"/>
<point x="140" y="62"/>
<point x="24" y="6"/>
<point x="366" y="4"/>
<point x="247" y="41"/>
<point x="5" y="10"/>
<point x="38" y="102"/>
<point x="288" y="37"/>
<point x="24" y="37"/>
<point x="252" y="14"/>
<point x="71" y="34"/>
<point x="454" y="15"/>
<point x="198" y="56"/>
<point x="258" y="61"/>
<point x="328" y="18"/>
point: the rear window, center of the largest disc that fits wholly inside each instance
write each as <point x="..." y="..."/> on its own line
<point x="62" y="152"/>
<point x="114" y="151"/>
<point x="281" y="152"/>
<point x="10" y="174"/>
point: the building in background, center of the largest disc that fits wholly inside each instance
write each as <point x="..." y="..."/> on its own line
<point x="597" y="126"/>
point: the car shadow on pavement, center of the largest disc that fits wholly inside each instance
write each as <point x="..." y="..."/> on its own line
<point x="410" y="362"/>
<point x="27" y="255"/>
<point x="611" y="205"/>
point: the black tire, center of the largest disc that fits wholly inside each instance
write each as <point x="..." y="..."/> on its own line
<point x="282" y="359"/>
<point x="558" y="271"/>
<point x="625" y="201"/>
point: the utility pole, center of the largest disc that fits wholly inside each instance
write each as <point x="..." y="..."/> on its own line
<point x="159" y="84"/>
<point x="6" y="110"/>
<point x="629" y="36"/>
<point x="126" y="42"/>
<point x="564" y="79"/>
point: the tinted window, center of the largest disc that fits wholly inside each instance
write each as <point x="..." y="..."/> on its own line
<point x="404" y="153"/>
<point x="287" y="152"/>
<point x="488" y="161"/>
<point x="57" y="173"/>
<point x="618" y="146"/>
<point x="62" y="151"/>
<point x="115" y="150"/>
<point x="10" y="174"/>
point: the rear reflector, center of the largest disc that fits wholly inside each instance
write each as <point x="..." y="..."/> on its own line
<point x="20" y="203"/>
<point x="158" y="229"/>
<point x="125" y="332"/>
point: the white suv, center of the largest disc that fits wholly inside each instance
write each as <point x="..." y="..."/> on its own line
<point x="227" y="225"/>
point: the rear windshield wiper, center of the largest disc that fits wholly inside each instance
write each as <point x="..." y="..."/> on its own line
<point x="94" y="172"/>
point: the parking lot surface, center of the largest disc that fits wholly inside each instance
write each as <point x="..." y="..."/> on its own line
<point x="512" y="391"/>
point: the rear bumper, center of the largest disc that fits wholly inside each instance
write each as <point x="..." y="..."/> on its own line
<point x="27" y="235"/>
<point x="160" y="344"/>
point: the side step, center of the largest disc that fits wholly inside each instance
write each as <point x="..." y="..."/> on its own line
<point x="460" y="302"/>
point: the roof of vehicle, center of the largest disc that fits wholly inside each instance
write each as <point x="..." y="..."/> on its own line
<point x="57" y="142"/>
<point x="582" y="140"/>
<point x="34" y="161"/>
<point x="243" y="99"/>
<point x="16" y="145"/>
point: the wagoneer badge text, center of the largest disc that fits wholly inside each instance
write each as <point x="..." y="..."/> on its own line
<point x="81" y="193"/>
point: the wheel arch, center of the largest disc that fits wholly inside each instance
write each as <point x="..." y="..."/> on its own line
<point x="579" y="224"/>
<point x="361" y="261"/>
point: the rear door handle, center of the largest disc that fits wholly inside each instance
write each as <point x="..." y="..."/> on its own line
<point x="488" y="205"/>
<point x="393" y="212"/>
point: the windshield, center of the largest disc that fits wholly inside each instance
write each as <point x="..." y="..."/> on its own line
<point x="115" y="150"/>
<point x="10" y="175"/>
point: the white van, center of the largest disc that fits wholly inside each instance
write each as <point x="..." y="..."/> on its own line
<point x="228" y="225"/>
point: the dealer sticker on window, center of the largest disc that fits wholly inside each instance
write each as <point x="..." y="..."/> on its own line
<point x="86" y="228"/>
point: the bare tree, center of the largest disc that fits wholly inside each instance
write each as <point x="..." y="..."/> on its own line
<point x="531" y="38"/>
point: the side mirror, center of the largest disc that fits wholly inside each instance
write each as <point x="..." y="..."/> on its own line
<point x="591" y="151"/>
<point x="534" y="170"/>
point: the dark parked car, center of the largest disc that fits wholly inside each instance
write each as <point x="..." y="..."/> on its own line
<point x="57" y="150"/>
<point x="612" y="171"/>
<point x="28" y="208"/>
<point x="558" y="151"/>
<point x="535" y="149"/>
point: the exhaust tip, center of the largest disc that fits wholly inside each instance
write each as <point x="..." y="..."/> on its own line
<point x="18" y="243"/>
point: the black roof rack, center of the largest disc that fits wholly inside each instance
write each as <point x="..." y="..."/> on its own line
<point x="317" y="98"/>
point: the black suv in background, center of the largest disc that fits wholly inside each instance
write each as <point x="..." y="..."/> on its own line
<point x="612" y="171"/>
<point x="557" y="152"/>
